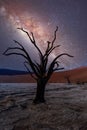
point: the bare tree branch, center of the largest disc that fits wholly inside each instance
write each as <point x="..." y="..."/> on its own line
<point x="29" y="70"/>
<point x="57" y="69"/>
<point x="26" y="33"/>
<point x="33" y="66"/>
<point x="32" y="40"/>
<point x="26" y="56"/>
<point x="48" y="47"/>
<point x="19" y="44"/>
<point x="63" y="54"/>
<point x="55" y="35"/>
<point x="14" y="53"/>
<point x="13" y="49"/>
<point x="52" y="65"/>
<point x="48" y="53"/>
<point x="53" y="39"/>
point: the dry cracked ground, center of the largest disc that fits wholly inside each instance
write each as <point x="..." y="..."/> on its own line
<point x="65" y="107"/>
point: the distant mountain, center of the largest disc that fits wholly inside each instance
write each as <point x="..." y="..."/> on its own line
<point x="12" y="72"/>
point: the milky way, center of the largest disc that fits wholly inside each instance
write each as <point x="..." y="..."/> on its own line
<point x="41" y="18"/>
<point x="24" y="20"/>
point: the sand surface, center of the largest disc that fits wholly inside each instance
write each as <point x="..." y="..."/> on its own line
<point x="65" y="107"/>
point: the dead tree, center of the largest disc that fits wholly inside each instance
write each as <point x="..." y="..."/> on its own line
<point x="42" y="73"/>
<point x="68" y="79"/>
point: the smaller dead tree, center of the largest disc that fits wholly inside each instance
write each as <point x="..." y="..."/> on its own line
<point x="68" y="79"/>
<point x="42" y="73"/>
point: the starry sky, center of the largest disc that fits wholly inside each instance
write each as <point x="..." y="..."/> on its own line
<point x="42" y="17"/>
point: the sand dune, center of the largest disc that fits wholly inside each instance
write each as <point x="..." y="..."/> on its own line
<point x="78" y="75"/>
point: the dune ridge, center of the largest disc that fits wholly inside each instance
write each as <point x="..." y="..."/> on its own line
<point x="77" y="75"/>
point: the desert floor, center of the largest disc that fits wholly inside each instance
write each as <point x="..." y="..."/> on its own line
<point x="65" y="107"/>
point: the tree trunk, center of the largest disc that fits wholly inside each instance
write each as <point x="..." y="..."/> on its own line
<point x="41" y="83"/>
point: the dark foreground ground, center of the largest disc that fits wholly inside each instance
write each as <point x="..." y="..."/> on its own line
<point x="65" y="109"/>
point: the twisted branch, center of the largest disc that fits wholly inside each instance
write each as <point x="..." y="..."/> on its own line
<point x="29" y="70"/>
<point x="32" y="39"/>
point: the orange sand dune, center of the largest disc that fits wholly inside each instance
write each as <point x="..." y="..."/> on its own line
<point x="78" y="75"/>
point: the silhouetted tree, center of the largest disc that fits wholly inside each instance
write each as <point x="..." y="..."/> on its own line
<point x="68" y="79"/>
<point x="42" y="71"/>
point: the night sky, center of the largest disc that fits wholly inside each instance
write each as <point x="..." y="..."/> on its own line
<point x="41" y="17"/>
